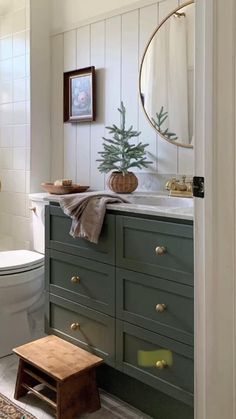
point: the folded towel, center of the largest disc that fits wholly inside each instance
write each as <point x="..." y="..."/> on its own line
<point x="87" y="212"/>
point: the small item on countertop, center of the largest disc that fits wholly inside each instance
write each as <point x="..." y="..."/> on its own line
<point x="63" y="189"/>
<point x="63" y="182"/>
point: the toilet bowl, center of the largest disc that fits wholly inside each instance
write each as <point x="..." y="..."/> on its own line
<point x="21" y="287"/>
<point x="21" y="279"/>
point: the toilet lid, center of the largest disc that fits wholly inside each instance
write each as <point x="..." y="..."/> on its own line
<point x="15" y="261"/>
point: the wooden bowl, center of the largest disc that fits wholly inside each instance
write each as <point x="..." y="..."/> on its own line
<point x="62" y="190"/>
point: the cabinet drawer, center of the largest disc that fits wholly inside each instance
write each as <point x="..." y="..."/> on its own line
<point x="156" y="304"/>
<point x="57" y="237"/>
<point x="95" y="332"/>
<point x="81" y="280"/>
<point x="137" y="240"/>
<point x="139" y="352"/>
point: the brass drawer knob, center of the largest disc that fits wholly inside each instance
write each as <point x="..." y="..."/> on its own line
<point x="161" y="250"/>
<point x="75" y="280"/>
<point x="160" y="365"/>
<point x="75" y="326"/>
<point x="160" y="308"/>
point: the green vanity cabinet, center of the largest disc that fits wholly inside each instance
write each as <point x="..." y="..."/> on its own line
<point x="128" y="299"/>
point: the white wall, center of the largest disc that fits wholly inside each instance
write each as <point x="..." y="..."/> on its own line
<point x="115" y="46"/>
<point x="25" y="114"/>
<point x="14" y="123"/>
<point x="215" y="221"/>
<point x="70" y="12"/>
<point x="40" y="93"/>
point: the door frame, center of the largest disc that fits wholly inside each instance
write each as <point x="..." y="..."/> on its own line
<point x="215" y="295"/>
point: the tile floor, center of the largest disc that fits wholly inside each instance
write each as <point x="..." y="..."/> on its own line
<point x="112" y="408"/>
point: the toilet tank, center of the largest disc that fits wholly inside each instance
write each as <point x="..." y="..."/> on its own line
<point x="37" y="209"/>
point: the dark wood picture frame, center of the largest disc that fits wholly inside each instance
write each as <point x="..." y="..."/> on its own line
<point x="80" y="95"/>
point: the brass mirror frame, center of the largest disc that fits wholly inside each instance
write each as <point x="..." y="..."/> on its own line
<point x="140" y="73"/>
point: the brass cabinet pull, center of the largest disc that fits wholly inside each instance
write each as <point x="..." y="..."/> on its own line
<point x="75" y="326"/>
<point x="160" y="308"/>
<point x="160" y="365"/>
<point x="33" y="209"/>
<point x="75" y="280"/>
<point x="161" y="250"/>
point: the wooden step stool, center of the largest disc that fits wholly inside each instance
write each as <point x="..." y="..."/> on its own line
<point x="66" y="370"/>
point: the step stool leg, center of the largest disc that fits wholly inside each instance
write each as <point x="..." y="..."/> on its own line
<point x="19" y="390"/>
<point x="77" y="395"/>
<point x="23" y="377"/>
<point x="94" y="397"/>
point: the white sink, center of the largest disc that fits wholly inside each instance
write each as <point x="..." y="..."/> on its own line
<point x="160" y="201"/>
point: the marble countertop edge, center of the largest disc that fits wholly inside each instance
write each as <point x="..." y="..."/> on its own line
<point x="160" y="211"/>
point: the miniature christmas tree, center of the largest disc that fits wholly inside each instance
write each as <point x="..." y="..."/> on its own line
<point x="119" y="155"/>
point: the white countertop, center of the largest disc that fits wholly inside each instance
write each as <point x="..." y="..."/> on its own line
<point x="182" y="213"/>
<point x="179" y="213"/>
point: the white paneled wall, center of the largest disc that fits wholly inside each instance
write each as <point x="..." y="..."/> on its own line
<point x="115" y="46"/>
<point x="66" y="13"/>
<point x="14" y="124"/>
<point x="83" y="133"/>
<point x="97" y="58"/>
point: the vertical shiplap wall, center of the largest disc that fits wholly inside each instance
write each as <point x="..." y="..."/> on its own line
<point x="115" y="47"/>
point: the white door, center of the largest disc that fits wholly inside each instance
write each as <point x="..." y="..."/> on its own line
<point x="215" y="285"/>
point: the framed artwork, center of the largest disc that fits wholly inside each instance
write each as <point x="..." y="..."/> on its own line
<point x="79" y="95"/>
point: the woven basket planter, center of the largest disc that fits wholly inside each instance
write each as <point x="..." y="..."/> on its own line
<point x="120" y="183"/>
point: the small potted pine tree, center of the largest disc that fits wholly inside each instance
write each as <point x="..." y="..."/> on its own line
<point x="119" y="156"/>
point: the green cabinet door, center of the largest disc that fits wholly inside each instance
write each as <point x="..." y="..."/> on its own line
<point x="58" y="238"/>
<point x="155" y="247"/>
<point x="156" y="304"/>
<point x="155" y="360"/>
<point x="81" y="280"/>
<point x="87" y="328"/>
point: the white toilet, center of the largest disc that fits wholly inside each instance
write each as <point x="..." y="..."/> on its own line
<point x="22" y="284"/>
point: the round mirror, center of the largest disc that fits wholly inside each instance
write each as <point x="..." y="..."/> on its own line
<point x="166" y="80"/>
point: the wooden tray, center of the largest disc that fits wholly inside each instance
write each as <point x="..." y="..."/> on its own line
<point x="62" y="190"/>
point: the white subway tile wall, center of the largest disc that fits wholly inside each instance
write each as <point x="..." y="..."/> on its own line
<point x="14" y="124"/>
<point x="115" y="46"/>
